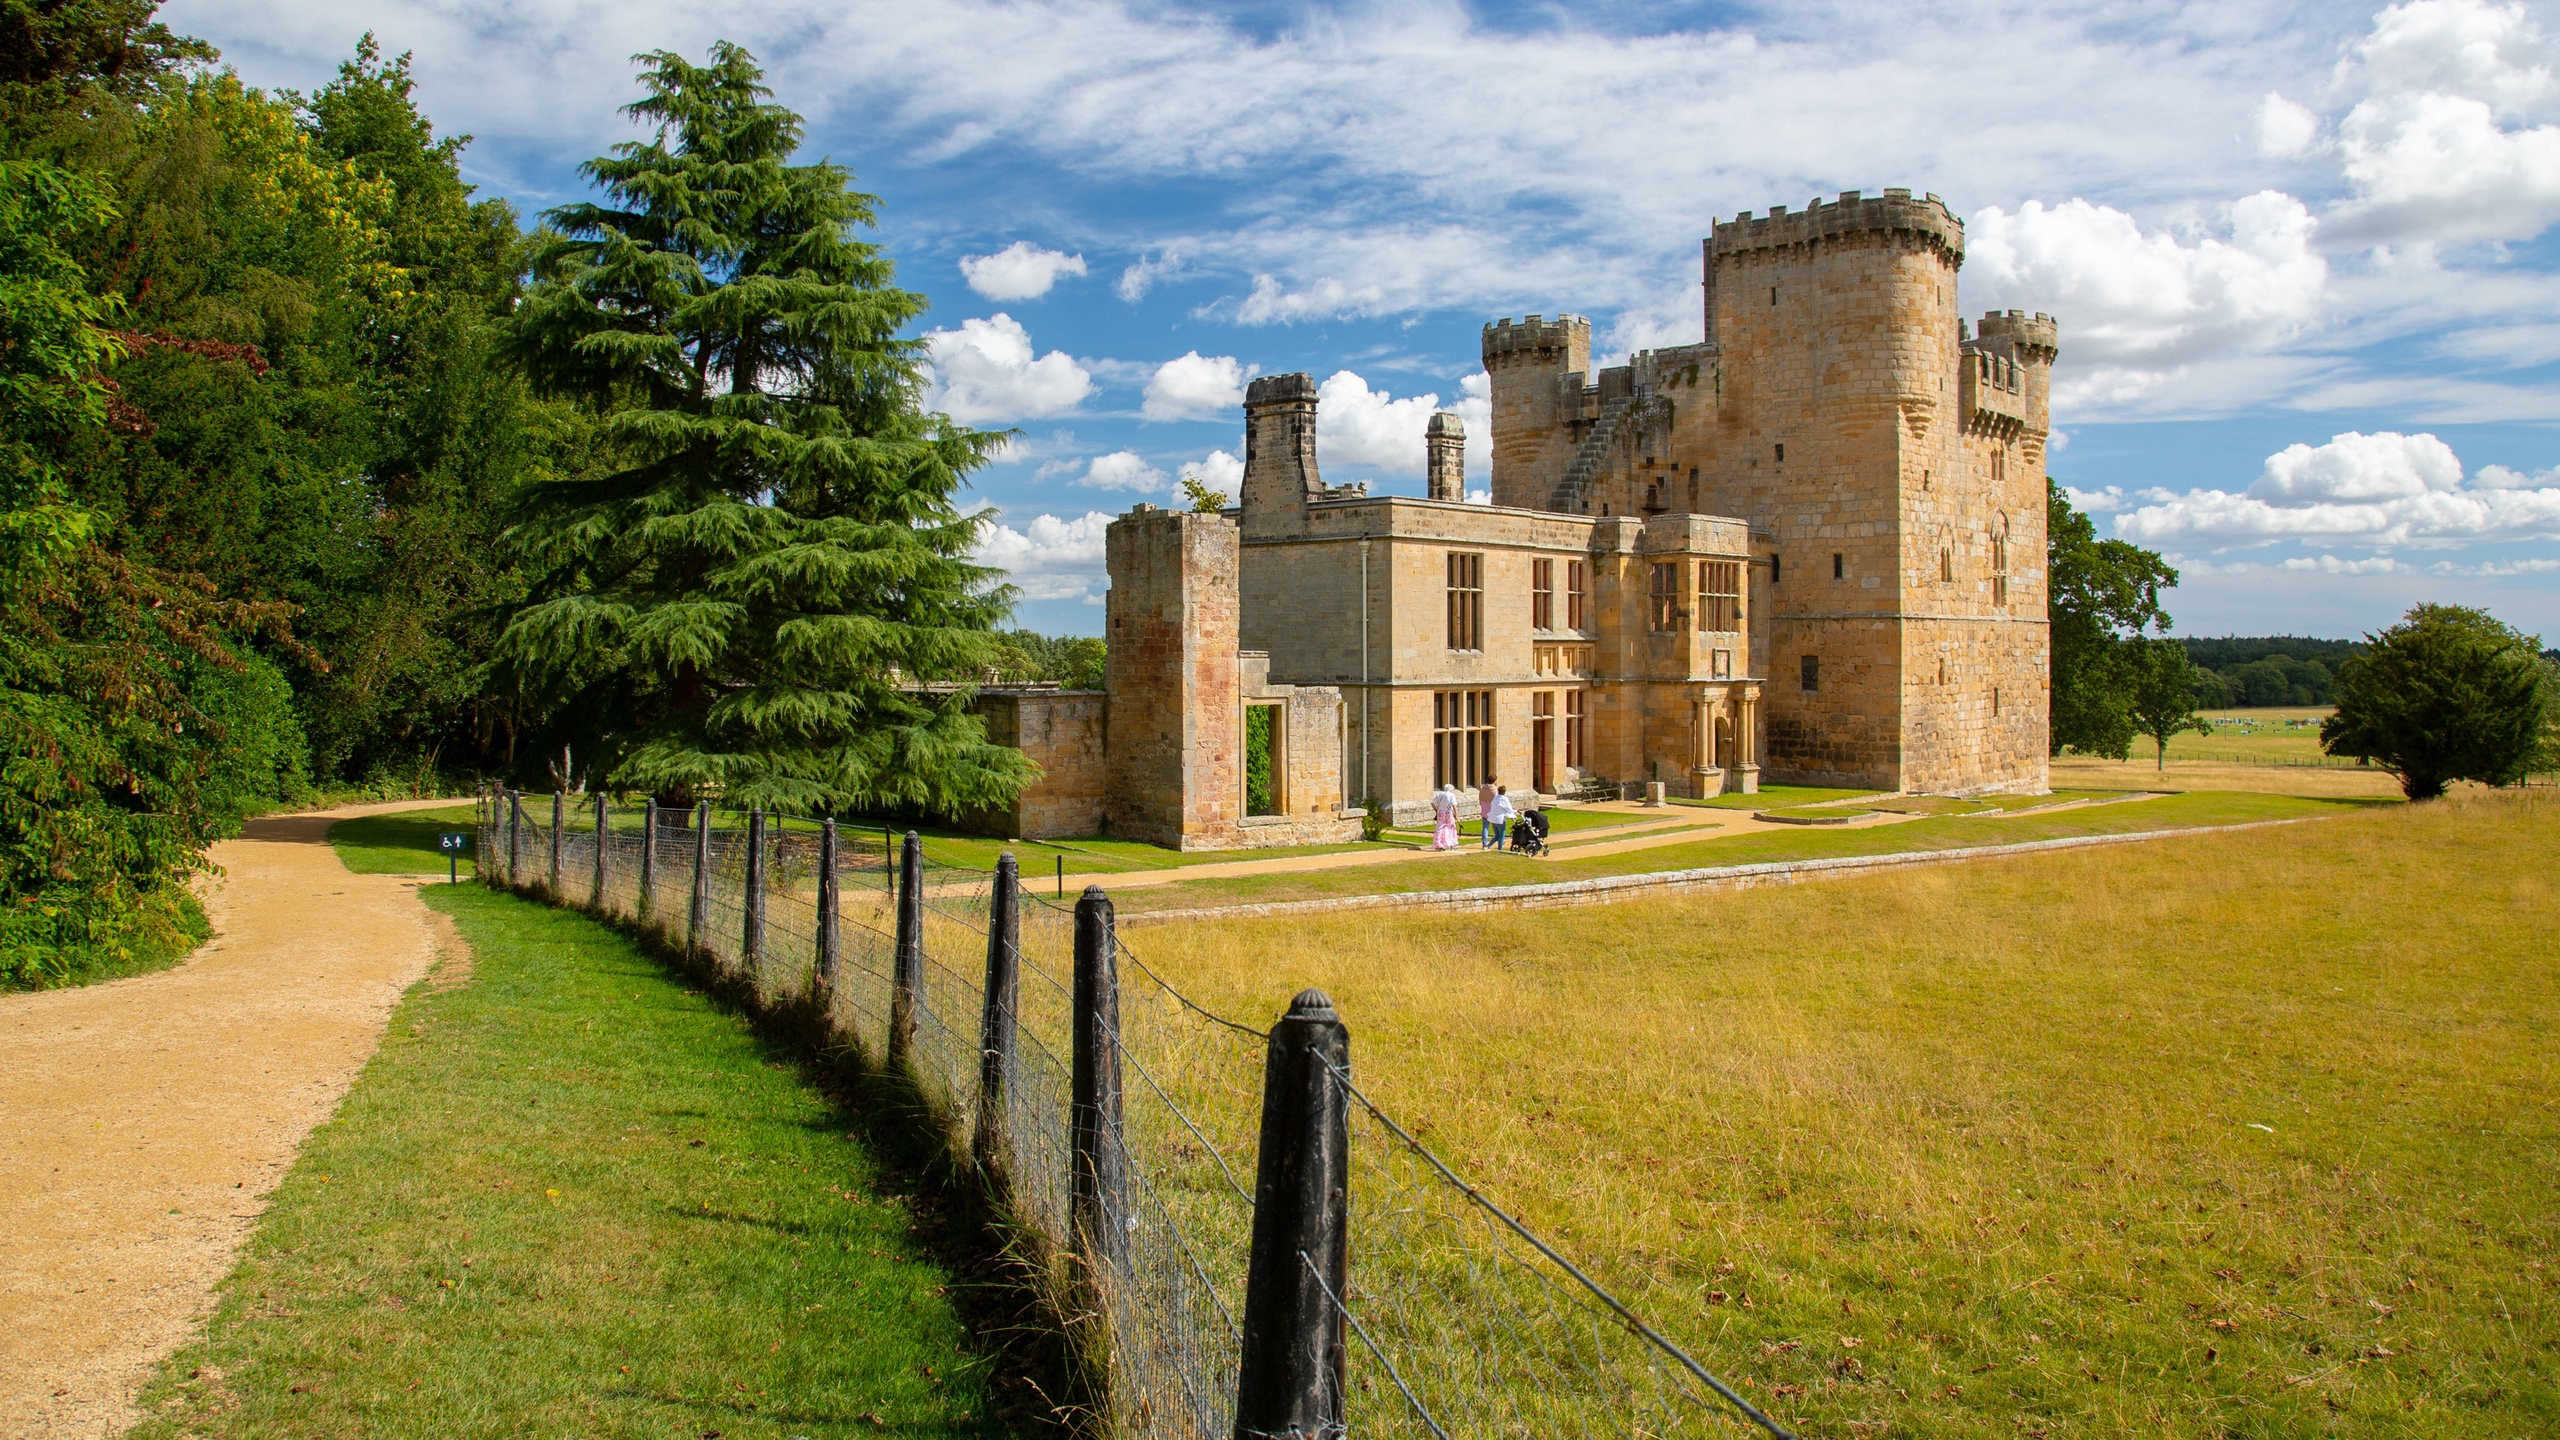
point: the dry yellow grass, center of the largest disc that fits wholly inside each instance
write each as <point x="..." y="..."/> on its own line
<point x="2080" y="772"/>
<point x="2225" y="1135"/>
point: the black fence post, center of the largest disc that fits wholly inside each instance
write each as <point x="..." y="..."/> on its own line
<point x="830" y="937"/>
<point x="751" y="903"/>
<point x="644" y="907"/>
<point x="906" y="990"/>
<point x="990" y="1144"/>
<point x="597" y="903"/>
<point x="559" y="814"/>
<point x="1289" y="1375"/>
<point x="701" y="878"/>
<point x="1098" y="1185"/>
<point x="515" y="837"/>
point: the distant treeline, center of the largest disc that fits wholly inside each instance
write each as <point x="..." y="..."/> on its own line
<point x="2268" y="670"/>
<point x="1073" y="661"/>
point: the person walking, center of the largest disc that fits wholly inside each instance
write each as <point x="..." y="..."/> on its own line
<point x="1444" y="817"/>
<point x="1484" y="797"/>
<point x="1498" y="819"/>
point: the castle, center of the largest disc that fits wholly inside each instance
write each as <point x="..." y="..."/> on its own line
<point x="1809" y="548"/>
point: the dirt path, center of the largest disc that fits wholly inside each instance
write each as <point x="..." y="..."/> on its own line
<point x="144" y="1121"/>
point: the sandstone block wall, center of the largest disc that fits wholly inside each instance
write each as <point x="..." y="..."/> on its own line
<point x="1061" y="732"/>
<point x="1172" y="760"/>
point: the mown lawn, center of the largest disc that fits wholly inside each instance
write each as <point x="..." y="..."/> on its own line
<point x="2225" y="1135"/>
<point x="571" y="1197"/>
<point x="403" y="843"/>
<point x="1466" y="871"/>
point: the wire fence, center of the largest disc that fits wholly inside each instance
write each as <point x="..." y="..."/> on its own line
<point x="1128" y="1133"/>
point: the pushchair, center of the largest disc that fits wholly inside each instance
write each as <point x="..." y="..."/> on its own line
<point x="1529" y="833"/>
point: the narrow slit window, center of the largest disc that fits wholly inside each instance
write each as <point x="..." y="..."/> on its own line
<point x="1811" y="672"/>
<point x="1839" y="566"/>
<point x="1573" y="594"/>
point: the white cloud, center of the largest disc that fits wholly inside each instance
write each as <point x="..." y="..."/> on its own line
<point x="1123" y="470"/>
<point x="2354" y="466"/>
<point x="2332" y="565"/>
<point x="2499" y="477"/>
<point x="2138" y="306"/>
<point x="1361" y="428"/>
<point x="2095" y="502"/>
<point x="2495" y="569"/>
<point x="1019" y="271"/>
<point x="2285" y="129"/>
<point x="1479" y="497"/>
<point x="2439" y="144"/>
<point x="985" y="370"/>
<point x="1050" y="558"/>
<point x="1219" y="471"/>
<point x="1475" y="411"/>
<point x="1197" y="387"/>
<point x="2377" y="491"/>
<point x="1148" y="272"/>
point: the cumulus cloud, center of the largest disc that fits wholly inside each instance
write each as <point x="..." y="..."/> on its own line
<point x="1219" y="471"/>
<point x="985" y="370"/>
<point x="1147" y="272"/>
<point x="2377" y="491"/>
<point x="1049" y="558"/>
<point x="1361" y="428"/>
<point x="1197" y="387"/>
<point x="2332" y="565"/>
<point x="1019" y="271"/>
<point x="2136" y="305"/>
<point x="2440" y="143"/>
<point x="2285" y="129"/>
<point x="2499" y="477"/>
<point x="2095" y="502"/>
<point x="1123" y="470"/>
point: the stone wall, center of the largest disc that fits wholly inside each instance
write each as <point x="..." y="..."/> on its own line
<point x="1061" y="732"/>
<point x="1173" y="767"/>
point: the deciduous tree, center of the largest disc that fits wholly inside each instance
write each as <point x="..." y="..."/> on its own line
<point x="2103" y="595"/>
<point x="2163" y="693"/>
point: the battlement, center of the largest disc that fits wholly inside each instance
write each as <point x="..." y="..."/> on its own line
<point x="1894" y="212"/>
<point x="1293" y="389"/>
<point x="2034" y="338"/>
<point x="1555" y="344"/>
<point x="1991" y="394"/>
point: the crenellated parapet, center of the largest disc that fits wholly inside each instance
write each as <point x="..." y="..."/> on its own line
<point x="1924" y="220"/>
<point x="1563" y="343"/>
<point x="2035" y="339"/>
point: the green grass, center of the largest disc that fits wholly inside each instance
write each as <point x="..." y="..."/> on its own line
<point x="2203" y="807"/>
<point x="571" y="1197"/>
<point x="2251" y="1135"/>
<point x="401" y="844"/>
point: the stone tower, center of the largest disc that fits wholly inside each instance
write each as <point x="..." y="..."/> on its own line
<point x="1538" y="368"/>
<point x="1172" y="755"/>
<point x="1444" y="443"/>
<point x="1848" y="422"/>
<point x="1280" y="478"/>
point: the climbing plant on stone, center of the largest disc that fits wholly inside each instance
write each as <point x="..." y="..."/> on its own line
<point x="756" y="591"/>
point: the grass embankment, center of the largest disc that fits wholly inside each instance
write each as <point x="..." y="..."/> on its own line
<point x="569" y="1196"/>
<point x="1467" y="871"/>
<point x="2230" y="1135"/>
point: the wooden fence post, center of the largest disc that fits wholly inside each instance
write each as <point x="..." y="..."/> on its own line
<point x="701" y="878"/>
<point x="990" y="1143"/>
<point x="515" y="836"/>
<point x="1289" y="1373"/>
<point x="830" y="903"/>
<point x="751" y="903"/>
<point x="559" y="814"/>
<point x="1098" y="1185"/>
<point x="597" y="903"/>
<point x="644" y="908"/>
<point x="906" y="990"/>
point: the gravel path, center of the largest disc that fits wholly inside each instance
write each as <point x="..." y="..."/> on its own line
<point x="144" y="1121"/>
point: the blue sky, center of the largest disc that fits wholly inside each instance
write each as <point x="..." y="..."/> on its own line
<point x="2302" y="254"/>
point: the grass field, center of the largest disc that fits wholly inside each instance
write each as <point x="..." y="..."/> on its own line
<point x="570" y="1197"/>
<point x="1467" y="870"/>
<point x="402" y="843"/>
<point x="2239" y="1135"/>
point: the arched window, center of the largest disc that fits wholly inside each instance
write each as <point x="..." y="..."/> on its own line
<point x="2000" y="562"/>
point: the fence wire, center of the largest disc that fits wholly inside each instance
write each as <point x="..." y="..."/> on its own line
<point x="1459" y="1320"/>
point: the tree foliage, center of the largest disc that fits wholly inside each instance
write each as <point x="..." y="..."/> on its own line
<point x="2163" y="694"/>
<point x="2449" y="693"/>
<point x="766" y="593"/>
<point x="2103" y="595"/>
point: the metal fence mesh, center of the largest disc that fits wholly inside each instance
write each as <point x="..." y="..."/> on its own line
<point x="1461" y="1321"/>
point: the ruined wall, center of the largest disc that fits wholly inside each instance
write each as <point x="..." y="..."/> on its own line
<point x="1173" y="766"/>
<point x="1061" y="732"/>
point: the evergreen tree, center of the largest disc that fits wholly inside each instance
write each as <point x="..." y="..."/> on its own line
<point x="757" y="598"/>
<point x="2449" y="693"/>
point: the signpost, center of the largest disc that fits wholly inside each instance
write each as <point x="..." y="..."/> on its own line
<point x="452" y="843"/>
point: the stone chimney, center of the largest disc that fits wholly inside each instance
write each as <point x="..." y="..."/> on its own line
<point x="1444" y="444"/>
<point x="1279" y="454"/>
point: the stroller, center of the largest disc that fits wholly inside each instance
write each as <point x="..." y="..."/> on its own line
<point x="1529" y="833"/>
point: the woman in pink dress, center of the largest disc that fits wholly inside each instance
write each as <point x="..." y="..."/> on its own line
<point x="1444" y="818"/>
